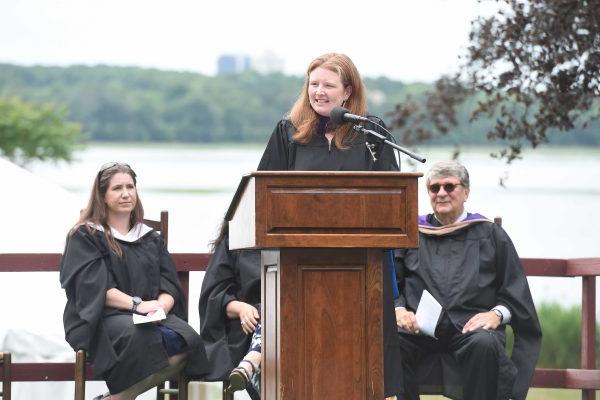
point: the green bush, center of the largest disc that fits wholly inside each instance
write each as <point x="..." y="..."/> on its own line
<point x="561" y="341"/>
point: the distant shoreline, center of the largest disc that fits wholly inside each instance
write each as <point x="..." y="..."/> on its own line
<point x="545" y="149"/>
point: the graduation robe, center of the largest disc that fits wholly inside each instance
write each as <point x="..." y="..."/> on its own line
<point x="230" y="275"/>
<point x="283" y="153"/>
<point x="119" y="351"/>
<point x="470" y="267"/>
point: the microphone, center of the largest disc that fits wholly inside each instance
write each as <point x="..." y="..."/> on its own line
<point x="339" y="115"/>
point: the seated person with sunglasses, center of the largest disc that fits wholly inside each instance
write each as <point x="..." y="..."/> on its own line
<point x="470" y="266"/>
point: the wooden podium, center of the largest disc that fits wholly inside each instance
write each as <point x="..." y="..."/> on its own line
<point x="322" y="235"/>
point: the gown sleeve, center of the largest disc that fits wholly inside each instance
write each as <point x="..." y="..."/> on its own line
<point x="85" y="278"/>
<point x="169" y="282"/>
<point x="399" y="266"/>
<point x="225" y="342"/>
<point x="219" y="286"/>
<point x="276" y="156"/>
<point x="513" y="293"/>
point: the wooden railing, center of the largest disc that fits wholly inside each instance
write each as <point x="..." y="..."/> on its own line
<point x="586" y="378"/>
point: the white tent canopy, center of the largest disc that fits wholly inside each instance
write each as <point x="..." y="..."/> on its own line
<point x="35" y="217"/>
<point x="35" y="213"/>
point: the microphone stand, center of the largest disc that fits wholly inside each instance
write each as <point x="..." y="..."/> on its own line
<point x="361" y="129"/>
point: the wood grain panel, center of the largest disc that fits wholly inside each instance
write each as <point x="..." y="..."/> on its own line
<point x="329" y="300"/>
<point x="333" y="313"/>
<point x="320" y="209"/>
<point x="376" y="209"/>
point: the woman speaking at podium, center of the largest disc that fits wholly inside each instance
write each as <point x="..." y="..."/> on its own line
<point x="308" y="140"/>
<point x="305" y="140"/>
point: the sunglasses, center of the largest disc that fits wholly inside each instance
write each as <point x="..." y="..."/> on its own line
<point x="110" y="165"/>
<point x="448" y="187"/>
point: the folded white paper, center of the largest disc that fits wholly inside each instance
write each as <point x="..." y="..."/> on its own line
<point x="143" y="319"/>
<point x="428" y="314"/>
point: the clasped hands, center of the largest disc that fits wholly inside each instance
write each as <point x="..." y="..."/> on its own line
<point x="149" y="307"/>
<point x="486" y="320"/>
<point x="247" y="313"/>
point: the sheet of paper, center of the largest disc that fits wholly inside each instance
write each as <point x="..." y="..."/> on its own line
<point x="142" y="319"/>
<point x="428" y="314"/>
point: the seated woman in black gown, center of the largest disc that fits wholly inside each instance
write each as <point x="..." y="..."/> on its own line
<point x="306" y="140"/>
<point x="114" y="266"/>
<point x="229" y="314"/>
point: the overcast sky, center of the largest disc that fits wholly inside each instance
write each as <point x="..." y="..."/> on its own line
<point x="409" y="40"/>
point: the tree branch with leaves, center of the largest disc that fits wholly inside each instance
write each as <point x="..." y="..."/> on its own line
<point x="35" y="131"/>
<point x="533" y="67"/>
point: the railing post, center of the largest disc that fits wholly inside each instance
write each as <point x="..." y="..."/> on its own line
<point x="588" y="329"/>
<point x="80" y="374"/>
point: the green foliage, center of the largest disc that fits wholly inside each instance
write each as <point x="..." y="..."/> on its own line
<point x="144" y="105"/>
<point x="561" y="341"/>
<point x="35" y="131"/>
<point x="532" y="66"/>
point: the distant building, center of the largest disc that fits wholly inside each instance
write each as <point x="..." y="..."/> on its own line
<point x="266" y="63"/>
<point x="233" y="64"/>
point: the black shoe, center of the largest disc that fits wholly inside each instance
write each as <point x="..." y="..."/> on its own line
<point x="239" y="377"/>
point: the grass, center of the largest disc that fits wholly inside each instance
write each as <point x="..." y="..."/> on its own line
<point x="540" y="394"/>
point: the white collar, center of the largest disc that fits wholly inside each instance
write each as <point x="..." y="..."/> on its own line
<point x="138" y="231"/>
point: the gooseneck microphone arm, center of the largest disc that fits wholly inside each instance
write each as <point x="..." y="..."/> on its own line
<point x="340" y="115"/>
<point x="409" y="153"/>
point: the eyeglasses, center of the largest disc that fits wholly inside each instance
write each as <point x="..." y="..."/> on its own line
<point x="110" y="165"/>
<point x="448" y="187"/>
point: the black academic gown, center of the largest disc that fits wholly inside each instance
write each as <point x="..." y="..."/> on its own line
<point x="120" y="352"/>
<point x="283" y="153"/>
<point x="230" y="275"/>
<point x="469" y="271"/>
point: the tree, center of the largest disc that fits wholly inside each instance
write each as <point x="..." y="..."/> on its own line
<point x="534" y="67"/>
<point x="31" y="131"/>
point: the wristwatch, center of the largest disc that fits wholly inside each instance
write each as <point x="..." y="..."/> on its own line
<point x="135" y="300"/>
<point x="499" y="314"/>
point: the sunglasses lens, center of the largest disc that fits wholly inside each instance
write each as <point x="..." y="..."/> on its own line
<point x="449" y="187"/>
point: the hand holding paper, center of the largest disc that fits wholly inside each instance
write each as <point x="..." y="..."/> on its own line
<point x="142" y="319"/>
<point x="428" y="314"/>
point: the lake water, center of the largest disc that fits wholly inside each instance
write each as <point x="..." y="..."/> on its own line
<point x="549" y="208"/>
<point x="549" y="205"/>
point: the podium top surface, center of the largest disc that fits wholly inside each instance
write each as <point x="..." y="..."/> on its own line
<point x="246" y="178"/>
<point x="324" y="209"/>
